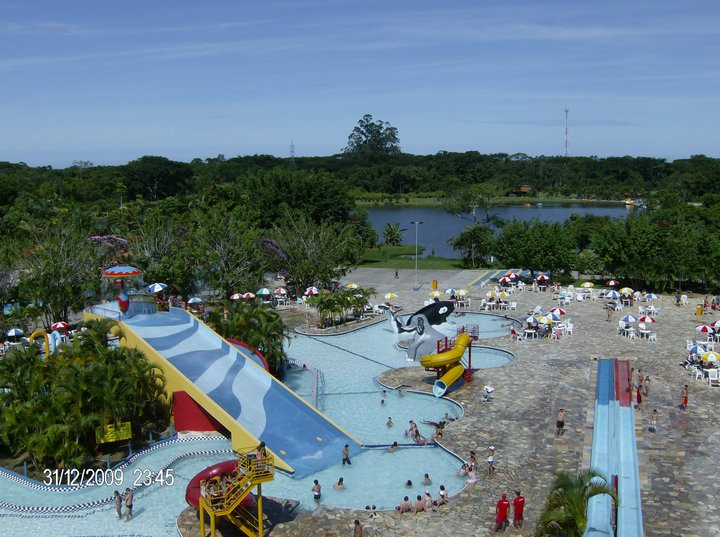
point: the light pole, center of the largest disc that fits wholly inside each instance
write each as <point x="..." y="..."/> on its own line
<point x="417" y="223"/>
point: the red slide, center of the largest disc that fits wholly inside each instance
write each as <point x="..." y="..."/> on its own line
<point x="192" y="493"/>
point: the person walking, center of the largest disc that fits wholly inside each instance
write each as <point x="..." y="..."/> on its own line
<point x="397" y="276"/>
<point x="560" y="423"/>
<point x="501" y="513"/>
<point x="357" y="529"/>
<point x="346" y="455"/>
<point x="653" y="421"/>
<point x="684" y="398"/>
<point x="128" y="505"/>
<point x="518" y="508"/>
<point x="491" y="461"/>
<point x="118" y="504"/>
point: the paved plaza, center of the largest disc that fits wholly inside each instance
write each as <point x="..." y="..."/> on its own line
<point x="677" y="467"/>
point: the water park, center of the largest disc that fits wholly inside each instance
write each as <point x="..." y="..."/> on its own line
<point x="390" y="409"/>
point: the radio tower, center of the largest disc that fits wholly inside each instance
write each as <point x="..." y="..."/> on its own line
<point x="292" y="153"/>
<point x="567" y="111"/>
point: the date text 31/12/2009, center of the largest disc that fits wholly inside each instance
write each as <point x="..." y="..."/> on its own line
<point x="89" y="477"/>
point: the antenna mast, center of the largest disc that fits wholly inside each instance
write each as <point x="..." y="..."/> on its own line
<point x="292" y="153"/>
<point x="567" y="111"/>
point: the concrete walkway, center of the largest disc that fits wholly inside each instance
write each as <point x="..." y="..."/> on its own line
<point x="677" y="462"/>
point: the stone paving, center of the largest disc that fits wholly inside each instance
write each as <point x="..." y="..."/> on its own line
<point x="677" y="472"/>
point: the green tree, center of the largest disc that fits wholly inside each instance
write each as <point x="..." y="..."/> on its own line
<point x="370" y="136"/>
<point x="565" y="513"/>
<point x="392" y="234"/>
<point x="483" y="196"/>
<point x="475" y="242"/>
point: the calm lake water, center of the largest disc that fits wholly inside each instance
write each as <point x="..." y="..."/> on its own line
<point x="439" y="226"/>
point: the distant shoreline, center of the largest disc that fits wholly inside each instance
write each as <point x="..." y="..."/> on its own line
<point x="400" y="201"/>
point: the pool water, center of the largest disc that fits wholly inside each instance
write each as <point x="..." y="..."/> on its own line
<point x="350" y="395"/>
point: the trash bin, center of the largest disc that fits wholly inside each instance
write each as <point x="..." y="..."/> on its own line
<point x="434" y="284"/>
<point x="698" y="310"/>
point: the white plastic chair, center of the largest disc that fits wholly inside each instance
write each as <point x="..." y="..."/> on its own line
<point x="652" y="336"/>
<point x="713" y="379"/>
<point x="513" y="305"/>
<point x="697" y="373"/>
<point x="641" y="310"/>
<point x="684" y="300"/>
<point x="569" y="329"/>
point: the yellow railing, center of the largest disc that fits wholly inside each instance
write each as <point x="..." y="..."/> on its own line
<point x="250" y="472"/>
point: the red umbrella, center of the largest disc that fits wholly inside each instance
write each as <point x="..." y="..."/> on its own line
<point x="704" y="328"/>
<point x="646" y="319"/>
<point x="612" y="283"/>
<point x="61" y="325"/>
<point x="121" y="271"/>
<point x="236" y="296"/>
<point x="559" y="311"/>
<point x="513" y="275"/>
<point x="505" y="279"/>
<point x="543" y="278"/>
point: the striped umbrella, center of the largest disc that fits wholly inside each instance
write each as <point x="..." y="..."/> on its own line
<point x="546" y="319"/>
<point x="435" y="294"/>
<point x="543" y="278"/>
<point x="247" y="295"/>
<point x="587" y="285"/>
<point x="532" y="320"/>
<point x="389" y="296"/>
<point x="646" y="319"/>
<point x="629" y="319"/>
<point x="513" y="275"/>
<point x="60" y="325"/>
<point x="650" y="296"/>
<point x="704" y="328"/>
<point x="236" y="296"/>
<point x="156" y="287"/>
<point x="195" y="300"/>
<point x="121" y="271"/>
<point x="462" y="292"/>
<point x="310" y="291"/>
<point x="697" y="349"/>
<point x="614" y="295"/>
<point x="710" y="357"/>
<point x="505" y="279"/>
<point x="451" y="291"/>
<point x="264" y="291"/>
<point x="280" y="291"/>
<point x="716" y="325"/>
<point x="612" y="283"/>
<point x="626" y="291"/>
<point x="14" y="332"/>
<point x="352" y="286"/>
<point x="559" y="311"/>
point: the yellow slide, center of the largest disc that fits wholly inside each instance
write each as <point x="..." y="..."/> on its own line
<point x="451" y="360"/>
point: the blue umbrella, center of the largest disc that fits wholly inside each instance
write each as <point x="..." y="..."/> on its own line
<point x="156" y="287"/>
<point x="629" y="319"/>
<point x="697" y="349"/>
<point x="650" y="296"/>
<point x="195" y="300"/>
<point x="612" y="294"/>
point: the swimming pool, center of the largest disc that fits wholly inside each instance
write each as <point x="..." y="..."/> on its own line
<point x="351" y="396"/>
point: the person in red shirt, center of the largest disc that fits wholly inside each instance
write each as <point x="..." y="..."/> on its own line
<point x="518" y="507"/>
<point x="501" y="514"/>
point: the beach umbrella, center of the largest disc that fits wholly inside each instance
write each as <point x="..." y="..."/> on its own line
<point x="650" y="296"/>
<point x="554" y="316"/>
<point x="312" y="291"/>
<point x="626" y="291"/>
<point x="646" y="319"/>
<point x="247" y="295"/>
<point x="389" y="296"/>
<point x="503" y="294"/>
<point x="451" y="291"/>
<point x="546" y="319"/>
<point x="558" y="311"/>
<point x="281" y="291"/>
<point x="462" y="292"/>
<point x="435" y="294"/>
<point x="704" y="328"/>
<point x="121" y="271"/>
<point x="156" y="287"/>
<point x="614" y="295"/>
<point x="612" y="283"/>
<point x="532" y="320"/>
<point x="505" y="279"/>
<point x="629" y="319"/>
<point x="513" y="275"/>
<point x="264" y="291"/>
<point x="352" y="286"/>
<point x="697" y="349"/>
<point x="195" y="300"/>
<point x="716" y="325"/>
<point x="587" y="285"/>
<point x="60" y="325"/>
<point x="14" y="332"/>
<point x="543" y="278"/>
<point x="491" y="293"/>
<point x="236" y="296"/>
<point x="710" y="357"/>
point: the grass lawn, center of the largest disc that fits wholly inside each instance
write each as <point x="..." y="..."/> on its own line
<point x="403" y="257"/>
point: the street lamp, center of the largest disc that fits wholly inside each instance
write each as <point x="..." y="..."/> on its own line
<point x="417" y="223"/>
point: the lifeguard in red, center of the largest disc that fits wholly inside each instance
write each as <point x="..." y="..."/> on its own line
<point x="518" y="507"/>
<point x="501" y="513"/>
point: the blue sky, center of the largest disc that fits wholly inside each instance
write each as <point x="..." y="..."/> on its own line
<point x="109" y="82"/>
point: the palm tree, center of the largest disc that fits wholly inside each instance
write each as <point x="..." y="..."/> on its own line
<point x="392" y="234"/>
<point x="565" y="513"/>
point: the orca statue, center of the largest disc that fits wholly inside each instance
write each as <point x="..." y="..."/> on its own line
<point x="422" y="323"/>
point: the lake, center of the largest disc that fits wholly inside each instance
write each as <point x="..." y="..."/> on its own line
<point x="440" y="226"/>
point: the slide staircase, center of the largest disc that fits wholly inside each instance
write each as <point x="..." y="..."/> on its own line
<point x="227" y="502"/>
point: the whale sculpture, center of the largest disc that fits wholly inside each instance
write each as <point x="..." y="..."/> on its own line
<point x="423" y="323"/>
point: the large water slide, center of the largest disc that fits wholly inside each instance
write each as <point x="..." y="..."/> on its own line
<point x="226" y="382"/>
